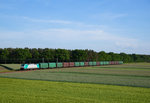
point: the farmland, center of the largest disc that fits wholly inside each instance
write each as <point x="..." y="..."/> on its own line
<point x="127" y="83"/>
<point x="33" y="91"/>
<point x="137" y="75"/>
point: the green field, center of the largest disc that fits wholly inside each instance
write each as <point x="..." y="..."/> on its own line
<point x="34" y="91"/>
<point x="128" y="83"/>
<point x="137" y="75"/>
<point x="9" y="67"/>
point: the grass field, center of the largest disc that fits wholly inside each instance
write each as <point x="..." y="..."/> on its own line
<point x="9" y="67"/>
<point x="2" y="69"/>
<point x="126" y="75"/>
<point x="35" y="91"/>
<point x="82" y="84"/>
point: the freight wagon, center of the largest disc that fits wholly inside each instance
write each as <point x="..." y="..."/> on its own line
<point x="67" y="64"/>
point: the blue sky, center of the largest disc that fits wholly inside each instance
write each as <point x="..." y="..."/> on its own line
<point x="101" y="25"/>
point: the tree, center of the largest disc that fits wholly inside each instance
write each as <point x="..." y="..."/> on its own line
<point x="102" y="56"/>
<point x="19" y="55"/>
<point x="62" y="55"/>
<point x="48" y="54"/>
<point x="115" y="56"/>
<point x="22" y="54"/>
<point x="125" y="58"/>
<point x="4" y="54"/>
<point x="92" y="55"/>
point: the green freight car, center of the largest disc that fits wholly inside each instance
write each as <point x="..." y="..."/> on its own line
<point x="52" y="65"/>
<point x="76" y="64"/>
<point x="94" y="63"/>
<point x="43" y="65"/>
<point x="81" y="64"/>
<point x="101" y="63"/>
<point x="59" y="65"/>
<point x="90" y="63"/>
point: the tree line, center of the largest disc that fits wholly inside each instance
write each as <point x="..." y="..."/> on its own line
<point x="36" y="55"/>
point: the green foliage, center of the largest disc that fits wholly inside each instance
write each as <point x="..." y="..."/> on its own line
<point x="20" y="55"/>
<point x="79" y="55"/>
<point x="4" y="53"/>
<point x="35" y="53"/>
<point x="102" y="56"/>
<point x="126" y="58"/>
<point x="62" y="55"/>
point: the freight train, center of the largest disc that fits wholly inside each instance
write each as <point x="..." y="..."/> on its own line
<point x="67" y="64"/>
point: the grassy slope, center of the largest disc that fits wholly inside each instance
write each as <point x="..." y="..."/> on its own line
<point x="9" y="67"/>
<point x="127" y="74"/>
<point x="2" y="69"/>
<point x="34" y="91"/>
<point x="12" y="66"/>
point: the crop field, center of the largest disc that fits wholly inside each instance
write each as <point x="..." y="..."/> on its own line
<point x="9" y="67"/>
<point x="137" y="75"/>
<point x="127" y="83"/>
<point x="35" y="91"/>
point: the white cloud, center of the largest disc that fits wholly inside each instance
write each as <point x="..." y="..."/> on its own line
<point x="74" y="37"/>
<point x="94" y="38"/>
<point x="47" y="21"/>
<point x="127" y="43"/>
<point x="110" y="16"/>
<point x="64" y="22"/>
